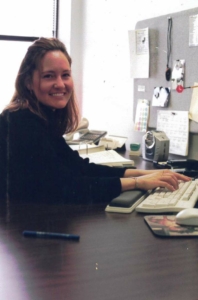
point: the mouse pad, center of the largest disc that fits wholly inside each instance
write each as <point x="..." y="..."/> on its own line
<point x="166" y="226"/>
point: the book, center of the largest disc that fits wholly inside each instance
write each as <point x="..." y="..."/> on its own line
<point x="107" y="157"/>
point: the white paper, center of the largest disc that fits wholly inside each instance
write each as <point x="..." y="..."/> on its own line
<point x="139" y="53"/>
<point x="193" y="111"/>
<point x="108" y="157"/>
<point x="112" y="141"/>
<point x="87" y="148"/>
<point x="142" y="115"/>
<point x="176" y="126"/>
<point x="160" y="96"/>
<point x="178" y="73"/>
<point x="193" y="30"/>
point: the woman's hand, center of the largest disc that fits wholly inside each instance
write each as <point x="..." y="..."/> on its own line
<point x="165" y="178"/>
<point x="160" y="178"/>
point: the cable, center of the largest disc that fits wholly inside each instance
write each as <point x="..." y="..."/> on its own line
<point x="168" y="69"/>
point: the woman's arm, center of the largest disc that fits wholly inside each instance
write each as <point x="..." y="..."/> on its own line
<point x="139" y="172"/>
<point x="151" y="179"/>
<point x="42" y="168"/>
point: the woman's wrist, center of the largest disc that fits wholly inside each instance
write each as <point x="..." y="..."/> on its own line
<point x="136" y="185"/>
<point x="130" y="183"/>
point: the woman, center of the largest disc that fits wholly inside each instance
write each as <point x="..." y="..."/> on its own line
<point x="37" y="164"/>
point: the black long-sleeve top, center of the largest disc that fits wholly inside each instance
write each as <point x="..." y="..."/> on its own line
<point x="38" y="166"/>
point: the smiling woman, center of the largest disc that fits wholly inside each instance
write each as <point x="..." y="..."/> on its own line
<point x="52" y="83"/>
<point x="44" y="80"/>
<point x="36" y="163"/>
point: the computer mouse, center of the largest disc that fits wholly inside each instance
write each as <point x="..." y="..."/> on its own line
<point x="188" y="216"/>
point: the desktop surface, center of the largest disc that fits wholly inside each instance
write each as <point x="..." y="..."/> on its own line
<point x="117" y="256"/>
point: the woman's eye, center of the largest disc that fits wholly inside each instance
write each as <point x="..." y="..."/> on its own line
<point x="66" y="75"/>
<point x="47" y="76"/>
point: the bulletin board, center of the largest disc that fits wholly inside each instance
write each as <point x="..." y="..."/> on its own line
<point x="180" y="49"/>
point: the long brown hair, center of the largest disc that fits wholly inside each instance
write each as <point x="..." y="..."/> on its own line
<point x="68" y="117"/>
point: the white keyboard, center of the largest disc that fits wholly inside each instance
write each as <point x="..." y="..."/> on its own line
<point x="162" y="200"/>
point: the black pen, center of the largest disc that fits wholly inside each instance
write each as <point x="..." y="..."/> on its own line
<point x="51" y="235"/>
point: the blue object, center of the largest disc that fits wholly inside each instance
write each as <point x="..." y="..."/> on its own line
<point x="50" y="235"/>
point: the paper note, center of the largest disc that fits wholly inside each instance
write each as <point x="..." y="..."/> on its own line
<point x="139" y="53"/>
<point x="142" y="114"/>
<point x="178" y="73"/>
<point x="193" y="111"/>
<point x="161" y="96"/>
<point x="193" y="30"/>
<point x="176" y="126"/>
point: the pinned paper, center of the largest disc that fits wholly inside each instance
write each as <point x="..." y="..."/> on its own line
<point x="178" y="73"/>
<point x="161" y="96"/>
<point x="176" y="126"/>
<point x="193" y="111"/>
<point x="139" y="53"/>
<point x="142" y="114"/>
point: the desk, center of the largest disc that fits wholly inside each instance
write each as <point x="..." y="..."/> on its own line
<point x="116" y="258"/>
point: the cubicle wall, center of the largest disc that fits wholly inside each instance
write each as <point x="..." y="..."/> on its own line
<point x="180" y="49"/>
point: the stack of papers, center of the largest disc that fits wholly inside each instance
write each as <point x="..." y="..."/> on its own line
<point x="109" y="158"/>
<point x="87" y="148"/>
<point x="98" y="155"/>
<point x="112" y="141"/>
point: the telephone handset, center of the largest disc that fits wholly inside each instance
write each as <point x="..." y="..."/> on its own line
<point x="190" y="164"/>
<point x="83" y="135"/>
<point x="187" y="167"/>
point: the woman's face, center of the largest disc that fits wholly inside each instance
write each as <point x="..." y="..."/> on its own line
<point x="52" y="83"/>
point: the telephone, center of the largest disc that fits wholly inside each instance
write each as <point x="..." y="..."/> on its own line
<point x="83" y="135"/>
<point x="187" y="167"/>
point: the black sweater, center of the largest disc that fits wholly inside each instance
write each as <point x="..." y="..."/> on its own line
<point x="38" y="166"/>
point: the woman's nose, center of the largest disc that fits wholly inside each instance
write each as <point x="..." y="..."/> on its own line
<point x="59" y="83"/>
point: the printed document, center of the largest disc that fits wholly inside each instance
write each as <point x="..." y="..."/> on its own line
<point x="193" y="111"/>
<point x="109" y="158"/>
<point x="139" y="53"/>
<point x="176" y="126"/>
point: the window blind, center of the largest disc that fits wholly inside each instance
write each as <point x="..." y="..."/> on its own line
<point x="21" y="22"/>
